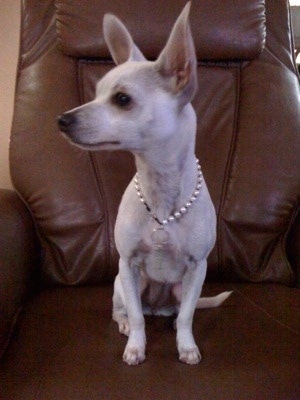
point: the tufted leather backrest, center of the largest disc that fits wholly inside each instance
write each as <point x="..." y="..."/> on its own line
<point x="221" y="31"/>
<point x="247" y="139"/>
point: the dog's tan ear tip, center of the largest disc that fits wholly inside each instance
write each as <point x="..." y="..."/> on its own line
<point x="109" y="15"/>
<point x="187" y="7"/>
<point x="107" y="18"/>
<point x="110" y="21"/>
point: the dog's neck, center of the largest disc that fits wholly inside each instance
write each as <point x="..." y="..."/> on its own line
<point x="166" y="186"/>
<point x="168" y="173"/>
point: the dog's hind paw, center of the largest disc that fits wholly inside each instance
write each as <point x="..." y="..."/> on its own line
<point x="124" y="327"/>
<point x="123" y="323"/>
<point x="190" y="356"/>
<point x="134" y="355"/>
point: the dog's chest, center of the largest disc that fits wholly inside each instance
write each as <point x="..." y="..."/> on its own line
<point x="165" y="265"/>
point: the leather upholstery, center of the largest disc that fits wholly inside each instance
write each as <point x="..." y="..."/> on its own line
<point x="67" y="347"/>
<point x="75" y="204"/>
<point x="55" y="288"/>
<point x="221" y="31"/>
<point x="20" y="258"/>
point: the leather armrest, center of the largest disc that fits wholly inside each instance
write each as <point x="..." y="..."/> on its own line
<point x="293" y="247"/>
<point x="19" y="258"/>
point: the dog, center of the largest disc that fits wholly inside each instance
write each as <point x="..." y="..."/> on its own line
<point x="166" y="223"/>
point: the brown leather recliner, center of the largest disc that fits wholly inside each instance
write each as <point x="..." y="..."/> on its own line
<point x="57" y="251"/>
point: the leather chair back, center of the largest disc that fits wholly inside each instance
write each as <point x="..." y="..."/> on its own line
<point x="247" y="138"/>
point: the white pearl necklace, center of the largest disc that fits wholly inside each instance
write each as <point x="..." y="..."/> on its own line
<point x="159" y="235"/>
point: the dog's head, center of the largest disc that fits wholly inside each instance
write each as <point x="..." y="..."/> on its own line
<point x="139" y="101"/>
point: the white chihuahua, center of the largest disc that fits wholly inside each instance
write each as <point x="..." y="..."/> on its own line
<point x="166" y="224"/>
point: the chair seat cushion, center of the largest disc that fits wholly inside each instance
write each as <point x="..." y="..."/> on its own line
<point x="66" y="346"/>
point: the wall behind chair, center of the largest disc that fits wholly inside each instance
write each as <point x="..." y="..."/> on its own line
<point x="9" y="43"/>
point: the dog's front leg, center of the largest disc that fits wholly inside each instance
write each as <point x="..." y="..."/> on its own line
<point x="191" y="289"/>
<point x="130" y="279"/>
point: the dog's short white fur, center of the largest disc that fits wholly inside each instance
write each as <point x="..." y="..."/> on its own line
<point x="144" y="107"/>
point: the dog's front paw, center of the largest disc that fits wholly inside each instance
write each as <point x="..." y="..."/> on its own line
<point x="190" y="356"/>
<point x="134" y="355"/>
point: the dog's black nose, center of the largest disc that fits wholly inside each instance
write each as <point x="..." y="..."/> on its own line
<point x="65" y="121"/>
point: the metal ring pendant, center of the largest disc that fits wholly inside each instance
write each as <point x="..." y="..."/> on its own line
<point x="160" y="237"/>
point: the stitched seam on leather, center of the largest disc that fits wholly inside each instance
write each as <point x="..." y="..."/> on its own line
<point x="293" y="274"/>
<point x="102" y="194"/>
<point x="97" y="174"/>
<point x="37" y="51"/>
<point x="11" y="330"/>
<point x="261" y="309"/>
<point x="265" y="264"/>
<point x="292" y="43"/>
<point x="91" y="61"/>
<point x="40" y="236"/>
<point x="227" y="172"/>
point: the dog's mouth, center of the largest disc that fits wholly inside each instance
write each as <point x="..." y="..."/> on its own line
<point x="113" y="142"/>
<point x="76" y="141"/>
<point x="107" y="145"/>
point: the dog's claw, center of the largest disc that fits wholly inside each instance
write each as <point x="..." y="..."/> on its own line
<point x="134" y="356"/>
<point x="190" y="356"/>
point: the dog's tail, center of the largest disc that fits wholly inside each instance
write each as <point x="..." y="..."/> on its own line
<point x="211" y="302"/>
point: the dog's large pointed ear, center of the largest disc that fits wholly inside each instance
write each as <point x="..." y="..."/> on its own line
<point x="177" y="62"/>
<point x="119" y="41"/>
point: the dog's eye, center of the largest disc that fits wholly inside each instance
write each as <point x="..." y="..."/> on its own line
<point x="121" y="99"/>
